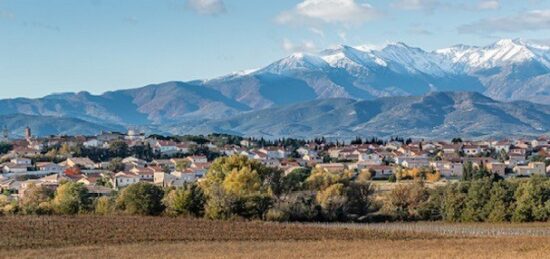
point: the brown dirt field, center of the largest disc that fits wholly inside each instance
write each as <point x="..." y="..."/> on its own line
<point x="163" y="237"/>
<point x="431" y="248"/>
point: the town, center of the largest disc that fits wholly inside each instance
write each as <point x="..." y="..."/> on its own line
<point x="111" y="161"/>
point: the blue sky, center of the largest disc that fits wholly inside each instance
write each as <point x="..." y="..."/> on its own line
<point x="101" y="45"/>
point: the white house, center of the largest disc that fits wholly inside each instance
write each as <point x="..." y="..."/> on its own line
<point x="22" y="161"/>
<point x="123" y="179"/>
<point x="370" y="158"/>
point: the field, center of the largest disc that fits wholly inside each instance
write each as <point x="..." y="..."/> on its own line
<point x="131" y="237"/>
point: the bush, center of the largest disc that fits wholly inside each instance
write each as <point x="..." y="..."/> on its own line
<point x="33" y="196"/>
<point x="104" y="206"/>
<point x="71" y="198"/>
<point x="141" y="199"/>
<point x="277" y="215"/>
<point x="188" y="200"/>
<point x="299" y="206"/>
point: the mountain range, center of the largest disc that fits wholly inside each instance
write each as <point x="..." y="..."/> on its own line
<point x="359" y="83"/>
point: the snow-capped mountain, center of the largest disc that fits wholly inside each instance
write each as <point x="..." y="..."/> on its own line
<point x="505" y="71"/>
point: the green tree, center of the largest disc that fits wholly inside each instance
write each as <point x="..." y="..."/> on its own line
<point x="116" y="165"/>
<point x="71" y="198"/>
<point x="532" y="200"/>
<point x="476" y="199"/>
<point x="141" y="199"/>
<point x="454" y="201"/>
<point x="188" y="200"/>
<point x="295" y="180"/>
<point x="500" y="204"/>
<point x="5" y="148"/>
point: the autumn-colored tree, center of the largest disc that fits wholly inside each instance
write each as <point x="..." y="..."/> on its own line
<point x="71" y="198"/>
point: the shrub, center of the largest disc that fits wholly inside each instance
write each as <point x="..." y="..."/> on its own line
<point x="104" y="205"/>
<point x="141" y="199"/>
<point x="70" y="198"/>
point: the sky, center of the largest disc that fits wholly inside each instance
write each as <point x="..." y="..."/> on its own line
<point x="59" y="46"/>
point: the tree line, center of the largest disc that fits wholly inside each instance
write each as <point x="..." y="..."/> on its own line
<point x="236" y="187"/>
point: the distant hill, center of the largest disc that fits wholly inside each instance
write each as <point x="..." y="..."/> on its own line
<point x="435" y="115"/>
<point x="48" y="125"/>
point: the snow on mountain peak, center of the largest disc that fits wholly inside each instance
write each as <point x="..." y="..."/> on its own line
<point x="403" y="58"/>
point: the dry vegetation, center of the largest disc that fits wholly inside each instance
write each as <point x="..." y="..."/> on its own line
<point x="163" y="237"/>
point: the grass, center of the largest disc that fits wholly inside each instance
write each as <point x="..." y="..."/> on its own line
<point x="162" y="237"/>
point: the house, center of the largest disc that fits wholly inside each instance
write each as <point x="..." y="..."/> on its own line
<point x="134" y="162"/>
<point x="274" y="163"/>
<point x="515" y="159"/>
<point x="413" y="161"/>
<point x="198" y="159"/>
<point x="497" y="168"/>
<point x="370" y="158"/>
<point x="471" y="150"/>
<point x="448" y="169"/>
<point x="274" y="152"/>
<point x="183" y="148"/>
<point x="14" y="168"/>
<point x="166" y="147"/>
<point x="82" y="162"/>
<point x="22" y="161"/>
<point x="123" y="179"/>
<point x="168" y="180"/>
<point x="531" y="169"/>
<point x="92" y="143"/>
<point x="144" y="173"/>
<point x="503" y="145"/>
<point x="49" y="167"/>
<point x="381" y="171"/>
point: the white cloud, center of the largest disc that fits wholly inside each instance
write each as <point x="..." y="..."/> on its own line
<point x="206" y="7"/>
<point x="319" y="32"/>
<point x="488" y="5"/>
<point x="426" y="5"/>
<point x="535" y="20"/>
<point x="305" y="46"/>
<point x="329" y="11"/>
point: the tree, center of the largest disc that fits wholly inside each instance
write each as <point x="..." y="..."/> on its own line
<point x="332" y="200"/>
<point x="5" y="148"/>
<point x="118" y="149"/>
<point x="237" y="186"/>
<point x="532" y="200"/>
<point x="181" y="165"/>
<point x="141" y="199"/>
<point x="242" y="182"/>
<point x="359" y="200"/>
<point x="476" y="199"/>
<point x="405" y="200"/>
<point x="188" y="200"/>
<point x="295" y="180"/>
<point x="453" y="204"/>
<point x="321" y="179"/>
<point x="501" y="201"/>
<point x="71" y="198"/>
<point x="34" y="199"/>
<point x="116" y="165"/>
<point x="104" y="205"/>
